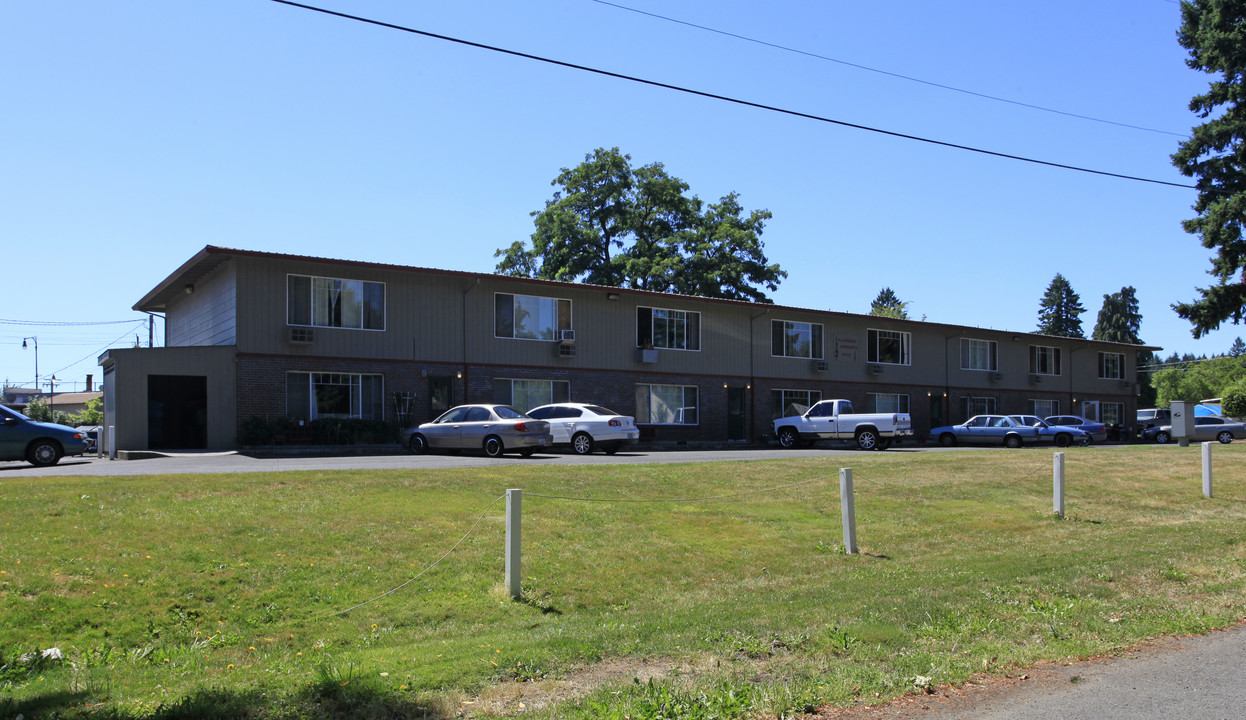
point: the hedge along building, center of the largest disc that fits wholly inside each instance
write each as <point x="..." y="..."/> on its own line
<point x="254" y="337"/>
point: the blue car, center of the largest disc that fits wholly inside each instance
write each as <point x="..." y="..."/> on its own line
<point x="1060" y="434"/>
<point x="40" y="444"/>
<point x="1009" y="431"/>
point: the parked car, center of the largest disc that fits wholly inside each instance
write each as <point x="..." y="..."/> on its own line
<point x="587" y="427"/>
<point x="986" y="430"/>
<point x="1097" y="431"/>
<point x="1150" y="417"/>
<point x="92" y="433"/>
<point x="1206" y="428"/>
<point x="496" y="429"/>
<point x="1061" y="435"/>
<point x="835" y="420"/>
<point x="38" y="443"/>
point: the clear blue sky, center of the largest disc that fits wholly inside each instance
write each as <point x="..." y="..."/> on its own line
<point x="135" y="133"/>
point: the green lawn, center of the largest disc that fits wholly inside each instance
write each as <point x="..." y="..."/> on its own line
<point x="217" y="595"/>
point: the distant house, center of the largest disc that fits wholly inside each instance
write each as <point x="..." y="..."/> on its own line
<point x="265" y="335"/>
<point x="18" y="397"/>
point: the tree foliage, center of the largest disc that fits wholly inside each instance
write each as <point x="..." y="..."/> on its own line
<point x="1060" y="310"/>
<point x="1214" y="33"/>
<point x="1119" y="319"/>
<point x="888" y="304"/>
<point x="40" y="410"/>
<point x="1198" y="380"/>
<point x="1233" y="401"/>
<point x="612" y="224"/>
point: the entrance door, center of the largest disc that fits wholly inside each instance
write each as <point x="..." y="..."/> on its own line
<point x="1090" y="410"/>
<point x="936" y="410"/>
<point x="440" y="395"/>
<point x="735" y="413"/>
<point x="177" y="412"/>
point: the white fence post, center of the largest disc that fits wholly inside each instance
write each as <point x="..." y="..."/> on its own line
<point x="848" y="510"/>
<point x="514" y="521"/>
<point x="1207" y="469"/>
<point x="112" y="442"/>
<point x="1057" y="489"/>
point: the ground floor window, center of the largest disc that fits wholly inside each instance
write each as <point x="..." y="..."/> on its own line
<point x="887" y="402"/>
<point x="666" y="404"/>
<point x="786" y="403"/>
<point x="310" y="396"/>
<point x="1111" y="413"/>
<point x="523" y="395"/>
<point x="978" y="406"/>
<point x="1044" y="408"/>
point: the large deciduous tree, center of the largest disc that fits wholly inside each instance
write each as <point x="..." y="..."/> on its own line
<point x="612" y="224"/>
<point x="1060" y="310"/>
<point x="888" y="304"/>
<point x="1214" y="32"/>
<point x="1199" y="380"/>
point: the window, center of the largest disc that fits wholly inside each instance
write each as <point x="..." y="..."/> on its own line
<point x="1044" y="408"/>
<point x="330" y="302"/>
<point x="887" y="402"/>
<point x="1044" y="360"/>
<point x="785" y="403"/>
<point x="1111" y="413"/>
<point x="310" y="396"/>
<point x="795" y="339"/>
<point x="1111" y="366"/>
<point x="527" y="317"/>
<point x="666" y="404"/>
<point x="889" y="346"/>
<point x="978" y="406"/>
<point x="977" y="354"/>
<point x="523" y="395"/>
<point x="668" y="329"/>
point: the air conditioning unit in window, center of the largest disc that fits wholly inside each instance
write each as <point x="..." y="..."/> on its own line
<point x="820" y="366"/>
<point x="997" y="376"/>
<point x="876" y="369"/>
<point x="567" y="336"/>
<point x="566" y="350"/>
<point x="301" y="335"/>
<point x="1035" y="378"/>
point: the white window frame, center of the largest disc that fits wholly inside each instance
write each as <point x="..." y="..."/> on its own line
<point x="1053" y="407"/>
<point x="816" y="339"/>
<point x="356" y="288"/>
<point x="874" y="338"/>
<point x="980" y="406"/>
<point x="687" y="318"/>
<point x="526" y="388"/>
<point x="1103" y="366"/>
<point x="789" y="396"/>
<point x="971" y="347"/>
<point x="353" y="381"/>
<point x="899" y="400"/>
<point x="554" y="311"/>
<point x="1112" y="413"/>
<point x="1040" y="359"/>
<point x="645" y="403"/>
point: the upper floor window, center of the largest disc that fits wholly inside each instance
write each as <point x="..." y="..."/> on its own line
<point x="890" y="347"/>
<point x="796" y="339"/>
<point x="528" y="317"/>
<point x="331" y="302"/>
<point x="668" y="329"/>
<point x="1111" y="366"/>
<point x="1044" y="360"/>
<point x="978" y="355"/>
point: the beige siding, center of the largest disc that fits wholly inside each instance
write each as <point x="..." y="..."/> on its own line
<point x="208" y="314"/>
<point x="125" y="390"/>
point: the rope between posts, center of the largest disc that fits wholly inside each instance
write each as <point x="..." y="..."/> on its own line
<point x="425" y="570"/>
<point x="1012" y="484"/>
<point x="678" y="500"/>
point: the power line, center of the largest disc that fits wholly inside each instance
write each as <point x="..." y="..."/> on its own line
<point x="42" y="323"/>
<point x="900" y="76"/>
<point x="737" y="101"/>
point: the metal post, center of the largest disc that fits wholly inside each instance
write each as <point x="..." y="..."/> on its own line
<point x="514" y="520"/>
<point x="848" y="510"/>
<point x="1057" y="476"/>
<point x="1207" y="469"/>
<point x="112" y="442"/>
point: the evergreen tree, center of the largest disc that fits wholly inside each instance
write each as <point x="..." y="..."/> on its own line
<point x="1238" y="348"/>
<point x="887" y="304"/>
<point x="1119" y="319"/>
<point x="1059" y="312"/>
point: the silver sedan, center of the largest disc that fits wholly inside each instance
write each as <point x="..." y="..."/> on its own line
<point x="496" y="429"/>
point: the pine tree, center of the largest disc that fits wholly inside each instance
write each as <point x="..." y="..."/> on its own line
<point x="1059" y="312"/>
<point x="887" y="304"/>
<point x="1119" y="319"/>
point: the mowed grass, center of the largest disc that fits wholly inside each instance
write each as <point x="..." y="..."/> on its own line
<point x="677" y="590"/>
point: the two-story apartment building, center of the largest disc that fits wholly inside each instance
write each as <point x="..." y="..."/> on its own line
<point x="272" y="335"/>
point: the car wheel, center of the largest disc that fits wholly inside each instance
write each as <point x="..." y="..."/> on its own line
<point x="1012" y="441"/>
<point x="494" y="447"/>
<point x="582" y="443"/>
<point x="947" y="440"/>
<point x="526" y="452"/>
<point x="1063" y="440"/>
<point x="43" y="453"/>
<point x="884" y="444"/>
<point x="417" y="444"/>
<point x="1225" y="437"/>
<point x="1162" y="437"/>
<point x="788" y="439"/>
<point x="612" y="449"/>
<point x="867" y="439"/>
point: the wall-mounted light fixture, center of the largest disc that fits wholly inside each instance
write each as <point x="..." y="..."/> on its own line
<point x="189" y="289"/>
<point x="613" y="296"/>
<point x="460" y="375"/>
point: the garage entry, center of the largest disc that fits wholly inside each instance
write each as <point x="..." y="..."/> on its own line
<point x="177" y="412"/>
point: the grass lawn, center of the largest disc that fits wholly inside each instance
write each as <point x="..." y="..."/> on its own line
<point x="219" y="595"/>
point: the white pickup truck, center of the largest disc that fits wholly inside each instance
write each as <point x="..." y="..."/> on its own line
<point x="834" y="420"/>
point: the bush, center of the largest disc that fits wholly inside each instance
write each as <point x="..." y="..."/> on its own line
<point x="1233" y="402"/>
<point x="256" y="430"/>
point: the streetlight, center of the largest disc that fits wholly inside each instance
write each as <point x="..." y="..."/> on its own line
<point x="36" y="341"/>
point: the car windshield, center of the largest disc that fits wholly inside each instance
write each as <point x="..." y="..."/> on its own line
<point x="10" y="412"/>
<point x="508" y="413"/>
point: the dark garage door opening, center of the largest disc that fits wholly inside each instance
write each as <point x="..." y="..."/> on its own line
<point x="177" y="412"/>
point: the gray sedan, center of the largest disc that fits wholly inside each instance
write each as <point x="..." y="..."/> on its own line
<point x="496" y="429"/>
<point x="1206" y="428"/>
